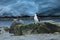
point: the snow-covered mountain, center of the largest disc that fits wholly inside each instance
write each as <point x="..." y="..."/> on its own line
<point x="29" y="7"/>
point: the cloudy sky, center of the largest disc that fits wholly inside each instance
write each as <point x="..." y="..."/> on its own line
<point x="27" y="7"/>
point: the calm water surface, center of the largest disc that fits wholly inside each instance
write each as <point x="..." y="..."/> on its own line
<point x="26" y="21"/>
<point x="8" y="23"/>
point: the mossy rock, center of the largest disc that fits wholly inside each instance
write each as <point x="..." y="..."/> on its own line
<point x="15" y="28"/>
<point x="19" y="29"/>
<point x="53" y="27"/>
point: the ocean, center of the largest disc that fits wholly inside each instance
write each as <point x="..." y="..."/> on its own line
<point x="26" y="21"/>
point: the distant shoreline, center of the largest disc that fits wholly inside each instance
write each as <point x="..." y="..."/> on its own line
<point x="5" y="18"/>
<point x="27" y="16"/>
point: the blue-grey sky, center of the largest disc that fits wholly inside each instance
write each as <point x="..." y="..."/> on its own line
<point x="27" y="7"/>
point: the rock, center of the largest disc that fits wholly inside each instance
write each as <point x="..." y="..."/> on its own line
<point x="32" y="28"/>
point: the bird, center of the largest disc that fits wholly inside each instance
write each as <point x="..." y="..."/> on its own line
<point x="36" y="18"/>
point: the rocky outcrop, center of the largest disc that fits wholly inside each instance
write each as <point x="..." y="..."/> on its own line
<point x="32" y="28"/>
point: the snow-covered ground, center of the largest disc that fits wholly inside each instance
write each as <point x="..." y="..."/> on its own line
<point x="7" y="36"/>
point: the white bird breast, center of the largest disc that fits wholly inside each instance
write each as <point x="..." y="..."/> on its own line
<point x="36" y="19"/>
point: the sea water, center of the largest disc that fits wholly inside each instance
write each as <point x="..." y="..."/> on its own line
<point x="27" y="21"/>
<point x="9" y="22"/>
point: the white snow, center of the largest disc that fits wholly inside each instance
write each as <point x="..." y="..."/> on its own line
<point x="7" y="36"/>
